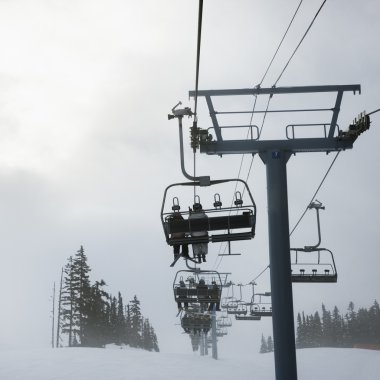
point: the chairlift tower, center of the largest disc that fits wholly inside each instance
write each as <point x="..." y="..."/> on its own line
<point x="275" y="155"/>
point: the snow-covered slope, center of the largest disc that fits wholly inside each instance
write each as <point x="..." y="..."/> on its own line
<point x="131" y="364"/>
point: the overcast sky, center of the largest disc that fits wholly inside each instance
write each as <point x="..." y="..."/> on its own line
<point x="86" y="149"/>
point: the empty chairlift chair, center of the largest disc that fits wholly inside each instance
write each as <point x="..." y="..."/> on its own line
<point x="313" y="266"/>
<point x="261" y="308"/>
<point x="311" y="263"/>
<point x="224" y="321"/>
<point x="241" y="309"/>
<point x="248" y="317"/>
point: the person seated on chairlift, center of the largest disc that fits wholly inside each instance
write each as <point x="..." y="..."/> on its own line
<point x="200" y="250"/>
<point x="182" y="285"/>
<point x="203" y="294"/>
<point x="191" y="282"/>
<point x="215" y="287"/>
<point x="179" y="235"/>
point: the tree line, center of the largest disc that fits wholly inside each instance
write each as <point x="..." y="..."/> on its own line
<point x="332" y="329"/>
<point x="90" y="317"/>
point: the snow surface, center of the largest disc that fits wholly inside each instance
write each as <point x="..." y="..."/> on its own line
<point x="114" y="363"/>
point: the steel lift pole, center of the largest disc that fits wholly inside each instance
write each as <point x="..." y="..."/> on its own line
<point x="202" y="347"/>
<point x="213" y="335"/>
<point x="280" y="267"/>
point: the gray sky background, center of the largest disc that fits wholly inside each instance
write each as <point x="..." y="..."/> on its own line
<point x="86" y="149"/>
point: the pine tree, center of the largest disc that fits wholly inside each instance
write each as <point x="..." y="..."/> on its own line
<point x="300" y="340"/>
<point x="128" y="325"/>
<point x="305" y="331"/>
<point x="136" y="323"/>
<point x="82" y="291"/>
<point x="327" y="327"/>
<point x="75" y="297"/>
<point x="96" y="325"/>
<point x="363" y="319"/>
<point x="317" y="330"/>
<point x="120" y="321"/>
<point x="270" y="344"/>
<point x="309" y="331"/>
<point x="112" y="333"/>
<point x="146" y="341"/>
<point x="59" y="313"/>
<point x="154" y="339"/>
<point x="336" y="328"/>
<point x="264" y="346"/>
<point x="149" y="338"/>
<point x="351" y="321"/>
<point x="345" y="334"/>
<point x="69" y="325"/>
<point x="374" y="323"/>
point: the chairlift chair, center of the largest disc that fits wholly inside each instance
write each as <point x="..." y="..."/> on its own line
<point x="197" y="286"/>
<point x="313" y="266"/>
<point x="240" y="310"/>
<point x="230" y="302"/>
<point x="248" y="317"/>
<point x="221" y="332"/>
<point x="224" y="303"/>
<point x="260" y="308"/>
<point x="224" y="321"/>
<point x="233" y="304"/>
<point x="224" y="276"/>
<point x="223" y="224"/>
<point x="197" y="322"/>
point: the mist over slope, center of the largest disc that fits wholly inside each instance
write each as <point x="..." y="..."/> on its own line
<point x="119" y="364"/>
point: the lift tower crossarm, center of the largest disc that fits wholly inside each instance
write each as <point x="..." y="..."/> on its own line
<point x="278" y="90"/>
<point x="293" y="146"/>
<point x="339" y="89"/>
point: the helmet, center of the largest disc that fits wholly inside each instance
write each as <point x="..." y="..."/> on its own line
<point x="197" y="207"/>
